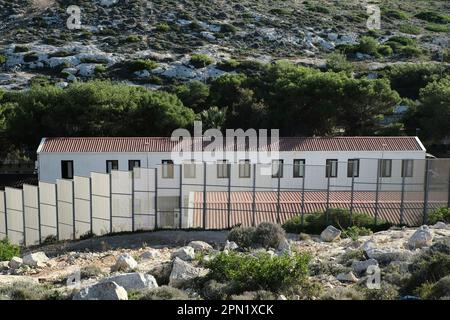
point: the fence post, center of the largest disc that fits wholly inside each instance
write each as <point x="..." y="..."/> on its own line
<point x="6" y="213"/>
<point x="132" y="201"/>
<point x="229" y="195"/>
<point x="24" y="220"/>
<point x="352" y="196"/>
<point x="39" y="214"/>
<point x="427" y="186"/>
<point x="254" y="196"/>
<point x="73" y="210"/>
<point x="377" y="190"/>
<point x="328" y="169"/>
<point x="181" y="196"/>
<point x="278" y="194"/>
<point x="156" y="197"/>
<point x="91" y="220"/>
<point x="204" y="195"/>
<point x="110" y="204"/>
<point x="57" y="211"/>
<point x="303" y="196"/>
<point x="402" y="200"/>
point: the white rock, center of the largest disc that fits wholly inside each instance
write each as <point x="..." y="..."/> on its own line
<point x="184" y="253"/>
<point x="361" y="266"/>
<point x="387" y="255"/>
<point x="440" y="225"/>
<point x="284" y="246"/>
<point x="421" y="238"/>
<point x="183" y="271"/>
<point x="62" y="84"/>
<point x="200" y="246"/>
<point x="4" y="265"/>
<point x="347" y="277"/>
<point x="133" y="281"/>
<point x="330" y="234"/>
<point x="230" y="245"/>
<point x="125" y="262"/>
<point x="37" y="259"/>
<point x="282" y="297"/>
<point x="15" y="263"/>
<point x="150" y="254"/>
<point x="102" y="291"/>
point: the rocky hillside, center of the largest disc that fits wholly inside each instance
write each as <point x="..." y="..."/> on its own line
<point x="151" y="42"/>
<point x="406" y="260"/>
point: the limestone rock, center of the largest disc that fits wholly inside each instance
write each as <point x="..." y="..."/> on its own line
<point x="133" y="281"/>
<point x="183" y="271"/>
<point x="230" y="245"/>
<point x="37" y="259"/>
<point x="347" y="277"/>
<point x="102" y="291"/>
<point x="200" y="246"/>
<point x="421" y="238"/>
<point x="184" y="253"/>
<point x="15" y="263"/>
<point x="125" y="262"/>
<point x="330" y="234"/>
<point x="361" y="266"/>
<point x="150" y="254"/>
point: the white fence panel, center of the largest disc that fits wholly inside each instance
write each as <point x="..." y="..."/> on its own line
<point x="82" y="192"/>
<point x="144" y="198"/>
<point x="2" y="215"/>
<point x="65" y="209"/>
<point x="14" y="210"/>
<point x="101" y="203"/>
<point x="122" y="200"/>
<point x="31" y="210"/>
<point x="48" y="208"/>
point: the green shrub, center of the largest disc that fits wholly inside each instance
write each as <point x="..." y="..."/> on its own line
<point x="405" y="41"/>
<point x="19" y="48"/>
<point x="2" y="59"/>
<point x="368" y="45"/>
<point x="227" y="28"/>
<point x="337" y="62"/>
<point x="213" y="290"/>
<point x="437" y="27"/>
<point x="29" y="291"/>
<point x="321" y="9"/>
<point x="446" y="55"/>
<point x="411" y="51"/>
<point x="228" y="65"/>
<point x="260" y="272"/>
<point x="243" y="236"/>
<point x="410" y="29"/>
<point x="269" y="235"/>
<point x="435" y="17"/>
<point x="8" y="250"/>
<point x="100" y="69"/>
<point x="442" y="214"/>
<point x="132" y="38"/>
<point x="385" y="50"/>
<point x="354" y="232"/>
<point x="141" y="64"/>
<point x="315" y="223"/>
<point x="395" y="14"/>
<point x="440" y="290"/>
<point x="88" y="272"/>
<point x="162" y="27"/>
<point x="200" y="60"/>
<point x="386" y="292"/>
<point x="160" y="293"/>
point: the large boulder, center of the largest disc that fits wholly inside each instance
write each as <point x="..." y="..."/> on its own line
<point x="421" y="238"/>
<point x="150" y="254"/>
<point x="361" y="266"/>
<point x="284" y="246"/>
<point x="185" y="253"/>
<point x="200" y="246"/>
<point x="330" y="234"/>
<point x="102" y="291"/>
<point x="133" y="281"/>
<point x="15" y="263"/>
<point x="37" y="259"/>
<point x="125" y="262"/>
<point x="388" y="255"/>
<point x="183" y="272"/>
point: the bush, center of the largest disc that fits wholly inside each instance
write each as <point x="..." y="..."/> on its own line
<point x="315" y="223"/>
<point x="213" y="290"/>
<point x="410" y="29"/>
<point x="100" y="69"/>
<point x="437" y="27"/>
<point x="442" y="214"/>
<point x="435" y="17"/>
<point x="269" y="235"/>
<point x="90" y="272"/>
<point x="243" y="236"/>
<point x="19" y="48"/>
<point x="8" y="250"/>
<point x="227" y="28"/>
<point x="160" y="293"/>
<point x="368" y="45"/>
<point x="200" y="60"/>
<point x="162" y="27"/>
<point x="29" y="291"/>
<point x="385" y="50"/>
<point x="260" y="272"/>
<point x="395" y="14"/>
<point x="141" y="64"/>
<point x="411" y="51"/>
<point x="440" y="290"/>
<point x="386" y="292"/>
<point x="2" y="59"/>
<point x="133" y="38"/>
<point x="354" y="232"/>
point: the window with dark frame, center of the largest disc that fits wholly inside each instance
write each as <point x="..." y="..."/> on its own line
<point x="331" y="168"/>
<point x="167" y="169"/>
<point x="67" y="169"/>
<point x="112" y="165"/>
<point x="353" y="168"/>
<point x="407" y="168"/>
<point x="277" y="168"/>
<point x="299" y="168"/>
<point x="222" y="169"/>
<point x="244" y="169"/>
<point x="385" y="168"/>
<point x="189" y="169"/>
<point x="133" y="164"/>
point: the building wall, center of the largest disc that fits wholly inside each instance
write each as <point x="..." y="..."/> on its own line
<point x="84" y="163"/>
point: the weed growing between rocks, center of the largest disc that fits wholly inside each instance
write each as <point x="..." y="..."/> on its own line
<point x="30" y="291"/>
<point x="160" y="293"/>
<point x="8" y="250"/>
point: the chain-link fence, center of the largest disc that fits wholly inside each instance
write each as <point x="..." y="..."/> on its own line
<point x="222" y="195"/>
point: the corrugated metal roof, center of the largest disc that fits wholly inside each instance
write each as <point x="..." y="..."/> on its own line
<point x="389" y="206"/>
<point x="164" y="144"/>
